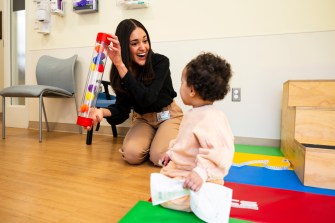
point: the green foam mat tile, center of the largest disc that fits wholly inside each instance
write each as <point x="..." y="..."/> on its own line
<point x="264" y="150"/>
<point x="145" y="212"/>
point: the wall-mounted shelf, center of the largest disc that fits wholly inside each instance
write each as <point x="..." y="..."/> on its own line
<point x="85" y="6"/>
<point x="134" y="4"/>
<point x="57" y="7"/>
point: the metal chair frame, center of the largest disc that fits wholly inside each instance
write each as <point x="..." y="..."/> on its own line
<point x="55" y="79"/>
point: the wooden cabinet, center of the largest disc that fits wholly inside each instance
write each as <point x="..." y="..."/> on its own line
<point x="308" y="130"/>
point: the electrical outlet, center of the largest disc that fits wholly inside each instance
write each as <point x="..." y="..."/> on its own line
<point x="236" y="94"/>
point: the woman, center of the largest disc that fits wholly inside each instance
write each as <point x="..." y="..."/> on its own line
<point x="142" y="82"/>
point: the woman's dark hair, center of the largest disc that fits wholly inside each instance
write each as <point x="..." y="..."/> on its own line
<point x="209" y="75"/>
<point x="143" y="73"/>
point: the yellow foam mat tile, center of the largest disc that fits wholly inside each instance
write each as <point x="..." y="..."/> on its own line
<point x="271" y="162"/>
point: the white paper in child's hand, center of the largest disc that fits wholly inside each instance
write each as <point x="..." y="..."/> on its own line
<point x="164" y="188"/>
<point x="211" y="203"/>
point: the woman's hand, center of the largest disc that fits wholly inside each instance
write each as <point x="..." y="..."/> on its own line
<point x="193" y="182"/>
<point x="97" y="114"/>
<point x="114" y="54"/>
<point x="114" y="50"/>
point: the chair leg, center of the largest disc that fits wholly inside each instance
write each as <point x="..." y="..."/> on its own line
<point x="45" y="116"/>
<point x="114" y="130"/>
<point x="3" y="118"/>
<point x="40" y="120"/>
<point x="42" y="109"/>
<point x="89" y="137"/>
<point x="98" y="127"/>
<point x="77" y="109"/>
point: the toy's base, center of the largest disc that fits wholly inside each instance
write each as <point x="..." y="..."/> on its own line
<point x="85" y="122"/>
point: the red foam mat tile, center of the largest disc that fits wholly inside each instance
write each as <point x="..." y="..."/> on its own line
<point x="279" y="205"/>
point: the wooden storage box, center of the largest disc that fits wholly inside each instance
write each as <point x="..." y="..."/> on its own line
<point x="308" y="130"/>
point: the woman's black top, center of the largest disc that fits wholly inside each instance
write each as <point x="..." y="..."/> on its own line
<point x="144" y="99"/>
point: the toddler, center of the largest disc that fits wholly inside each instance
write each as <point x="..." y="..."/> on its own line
<point x="204" y="148"/>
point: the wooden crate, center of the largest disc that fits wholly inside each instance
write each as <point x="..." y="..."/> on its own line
<point x="308" y="130"/>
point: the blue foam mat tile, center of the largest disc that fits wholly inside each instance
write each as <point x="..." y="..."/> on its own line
<point x="282" y="179"/>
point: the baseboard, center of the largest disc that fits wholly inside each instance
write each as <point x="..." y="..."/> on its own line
<point x="257" y="141"/>
<point x="55" y="126"/>
<point x="106" y="130"/>
<point x="73" y="128"/>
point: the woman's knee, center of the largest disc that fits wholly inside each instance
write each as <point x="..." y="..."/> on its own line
<point x="133" y="155"/>
<point x="133" y="160"/>
<point x="155" y="156"/>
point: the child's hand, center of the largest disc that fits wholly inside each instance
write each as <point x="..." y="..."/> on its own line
<point x="193" y="181"/>
<point x="165" y="160"/>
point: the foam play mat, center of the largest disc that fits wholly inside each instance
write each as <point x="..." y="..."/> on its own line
<point x="278" y="205"/>
<point x="145" y="212"/>
<point x="265" y="189"/>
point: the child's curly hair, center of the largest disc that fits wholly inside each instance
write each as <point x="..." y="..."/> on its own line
<point x="209" y="74"/>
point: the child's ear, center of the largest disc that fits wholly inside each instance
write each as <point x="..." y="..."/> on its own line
<point x="192" y="92"/>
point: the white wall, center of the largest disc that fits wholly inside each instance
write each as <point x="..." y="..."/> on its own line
<point x="261" y="65"/>
<point x="267" y="43"/>
<point x="176" y="20"/>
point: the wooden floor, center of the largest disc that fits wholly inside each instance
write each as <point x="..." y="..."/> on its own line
<point x="64" y="180"/>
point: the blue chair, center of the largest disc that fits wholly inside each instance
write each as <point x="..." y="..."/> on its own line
<point x="103" y="101"/>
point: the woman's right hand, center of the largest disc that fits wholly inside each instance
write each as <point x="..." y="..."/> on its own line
<point x="96" y="114"/>
<point x="114" y="54"/>
<point x="114" y="50"/>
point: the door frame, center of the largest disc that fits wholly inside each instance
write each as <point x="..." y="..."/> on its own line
<point x="16" y="115"/>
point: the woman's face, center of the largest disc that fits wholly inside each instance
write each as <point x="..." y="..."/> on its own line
<point x="139" y="46"/>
